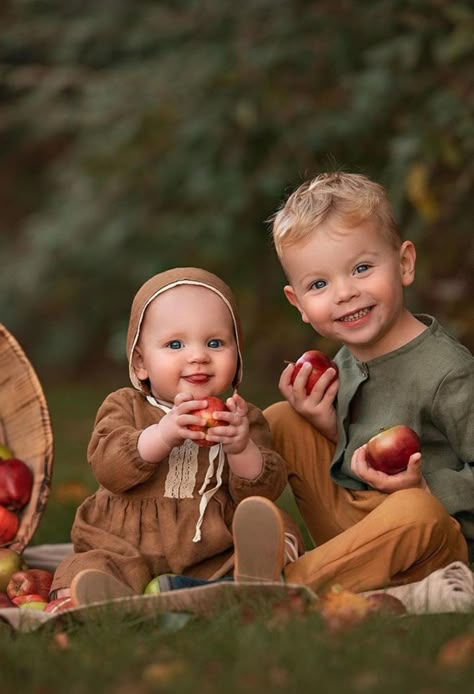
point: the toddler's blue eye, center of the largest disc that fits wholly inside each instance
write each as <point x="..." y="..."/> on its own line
<point x="319" y="284"/>
<point x="175" y="344"/>
<point x="362" y="268"/>
<point x="213" y="344"/>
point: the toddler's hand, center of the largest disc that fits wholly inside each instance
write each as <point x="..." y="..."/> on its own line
<point x="317" y="407"/>
<point x="412" y="477"/>
<point x="234" y="435"/>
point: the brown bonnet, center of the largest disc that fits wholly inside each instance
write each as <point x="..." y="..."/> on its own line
<point x="167" y="280"/>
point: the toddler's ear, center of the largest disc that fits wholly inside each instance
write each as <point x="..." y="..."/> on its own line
<point x="407" y="262"/>
<point x="138" y="365"/>
<point x="293" y="299"/>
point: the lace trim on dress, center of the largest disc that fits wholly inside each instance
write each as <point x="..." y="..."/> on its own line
<point x="183" y="466"/>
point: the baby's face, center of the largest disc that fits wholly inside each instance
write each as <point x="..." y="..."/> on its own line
<point x="187" y="344"/>
<point x="348" y="284"/>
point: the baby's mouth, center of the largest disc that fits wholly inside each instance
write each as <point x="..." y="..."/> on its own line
<point x="197" y="378"/>
<point x="350" y="317"/>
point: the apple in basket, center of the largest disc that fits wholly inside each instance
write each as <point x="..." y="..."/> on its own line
<point x="10" y="562"/>
<point x="30" y="602"/>
<point x="209" y="421"/>
<point x="390" y="450"/>
<point x="5" y="452"/>
<point x="8" y="525"/>
<point x="16" y="482"/>
<point x="319" y="361"/>
<point x="5" y="601"/>
<point x="30" y="581"/>
<point x="59" y="605"/>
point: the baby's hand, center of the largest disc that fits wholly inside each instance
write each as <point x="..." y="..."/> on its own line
<point x="412" y="477"/>
<point x="317" y="407"/>
<point x="156" y="441"/>
<point x="234" y="435"/>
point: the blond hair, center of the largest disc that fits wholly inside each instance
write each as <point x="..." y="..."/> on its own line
<point x="350" y="198"/>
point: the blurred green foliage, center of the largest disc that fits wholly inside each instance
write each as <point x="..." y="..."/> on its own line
<point x="139" y="136"/>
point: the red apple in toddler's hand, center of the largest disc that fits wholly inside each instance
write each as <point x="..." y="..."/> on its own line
<point x="16" y="482"/>
<point x="390" y="450"/>
<point x="320" y="363"/>
<point x="207" y="413"/>
<point x="37" y="581"/>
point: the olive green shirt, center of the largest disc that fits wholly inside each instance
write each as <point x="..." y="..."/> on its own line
<point x="428" y="384"/>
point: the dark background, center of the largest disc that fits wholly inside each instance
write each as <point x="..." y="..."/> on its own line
<point x="136" y="136"/>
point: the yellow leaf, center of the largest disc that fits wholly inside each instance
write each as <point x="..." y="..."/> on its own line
<point x="419" y="193"/>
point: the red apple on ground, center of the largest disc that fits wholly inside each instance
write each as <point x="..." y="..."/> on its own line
<point x="207" y="413"/>
<point x="5" y="452"/>
<point x="8" y="525"/>
<point x="389" y="451"/>
<point x="384" y="602"/>
<point x="320" y="363"/>
<point x="16" y="482"/>
<point x="5" y="601"/>
<point x="59" y="604"/>
<point x="30" y="581"/>
<point x="10" y="561"/>
<point x="32" y="602"/>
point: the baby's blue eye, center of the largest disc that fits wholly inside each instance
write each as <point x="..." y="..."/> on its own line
<point x="175" y="344"/>
<point x="362" y="268"/>
<point x="214" y="344"/>
<point x="319" y="284"/>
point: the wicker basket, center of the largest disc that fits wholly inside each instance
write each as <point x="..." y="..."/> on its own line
<point x="25" y="427"/>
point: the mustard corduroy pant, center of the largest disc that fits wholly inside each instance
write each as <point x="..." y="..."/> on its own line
<point x="364" y="539"/>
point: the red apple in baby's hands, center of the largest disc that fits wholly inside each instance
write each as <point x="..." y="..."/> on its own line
<point x="390" y="450"/>
<point x="207" y="413"/>
<point x="320" y="363"/>
<point x="37" y="581"/>
<point x="16" y="482"/>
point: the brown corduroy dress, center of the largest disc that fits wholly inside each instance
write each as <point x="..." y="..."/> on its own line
<point x="148" y="518"/>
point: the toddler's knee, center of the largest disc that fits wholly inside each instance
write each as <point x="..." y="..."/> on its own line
<point x="418" y="506"/>
<point x="278" y="413"/>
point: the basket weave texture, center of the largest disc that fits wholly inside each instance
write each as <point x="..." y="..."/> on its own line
<point x="25" y="427"/>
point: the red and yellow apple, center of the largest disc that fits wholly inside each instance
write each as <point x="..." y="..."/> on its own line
<point x="390" y="450"/>
<point x="8" y="525"/>
<point x="209" y="421"/>
<point x="16" y="482"/>
<point x="30" y="602"/>
<point x="28" y="581"/>
<point x="319" y="361"/>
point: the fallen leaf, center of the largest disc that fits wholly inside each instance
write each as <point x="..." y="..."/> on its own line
<point x="163" y="672"/>
<point x="61" y="641"/>
<point x="458" y="652"/>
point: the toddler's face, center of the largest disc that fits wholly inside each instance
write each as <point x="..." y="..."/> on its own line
<point x="348" y="284"/>
<point x="187" y="344"/>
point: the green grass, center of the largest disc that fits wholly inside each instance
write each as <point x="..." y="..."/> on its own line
<point x="231" y="652"/>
